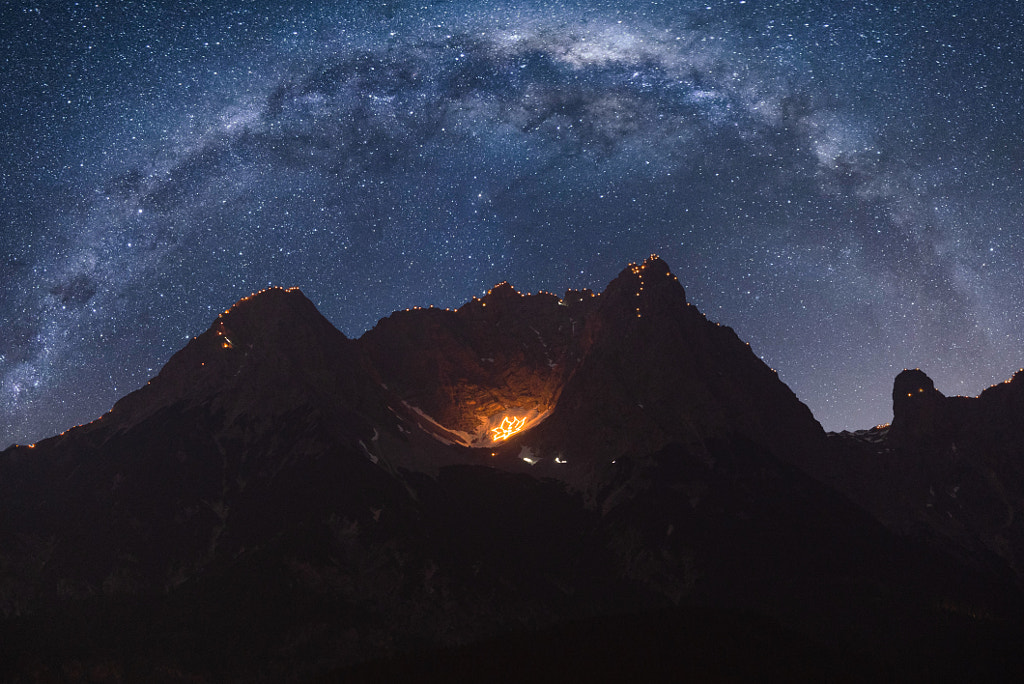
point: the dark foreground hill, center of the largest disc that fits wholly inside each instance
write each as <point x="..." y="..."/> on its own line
<point x="530" y="487"/>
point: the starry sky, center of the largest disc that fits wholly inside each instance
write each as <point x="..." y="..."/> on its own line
<point x="841" y="182"/>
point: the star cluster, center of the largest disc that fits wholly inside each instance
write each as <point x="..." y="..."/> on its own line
<point x="840" y="182"/>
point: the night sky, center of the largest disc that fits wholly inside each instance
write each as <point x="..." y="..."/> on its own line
<point x="840" y="182"/>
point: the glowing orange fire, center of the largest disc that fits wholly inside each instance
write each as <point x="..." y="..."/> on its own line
<point x="509" y="426"/>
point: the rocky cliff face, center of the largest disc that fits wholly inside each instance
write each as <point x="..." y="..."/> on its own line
<point x="665" y="374"/>
<point x="662" y="372"/>
<point x="282" y="502"/>
<point x="507" y="354"/>
<point x="950" y="467"/>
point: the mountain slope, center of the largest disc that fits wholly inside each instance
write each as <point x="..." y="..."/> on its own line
<point x="949" y="467"/>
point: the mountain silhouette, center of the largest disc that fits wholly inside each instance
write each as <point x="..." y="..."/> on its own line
<point x="530" y="486"/>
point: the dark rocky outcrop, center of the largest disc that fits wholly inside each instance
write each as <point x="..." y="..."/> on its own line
<point x="918" y="408"/>
<point x="951" y="468"/>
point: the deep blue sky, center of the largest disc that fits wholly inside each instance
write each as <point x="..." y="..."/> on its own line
<point x="839" y="182"/>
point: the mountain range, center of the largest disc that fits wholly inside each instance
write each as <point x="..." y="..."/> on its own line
<point x="606" y="486"/>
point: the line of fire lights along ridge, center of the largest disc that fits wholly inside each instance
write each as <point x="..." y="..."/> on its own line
<point x="503" y="431"/>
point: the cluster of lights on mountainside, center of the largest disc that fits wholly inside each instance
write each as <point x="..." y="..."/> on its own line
<point x="638" y="271"/>
<point x="222" y="332"/>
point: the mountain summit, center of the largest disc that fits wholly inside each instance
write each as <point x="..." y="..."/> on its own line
<point x="662" y="371"/>
<point x="527" y="471"/>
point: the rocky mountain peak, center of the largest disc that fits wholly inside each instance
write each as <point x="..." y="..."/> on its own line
<point x="274" y="338"/>
<point x="503" y="291"/>
<point x="271" y="317"/>
<point x="912" y="383"/>
<point x="917" y="406"/>
<point x="646" y="288"/>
